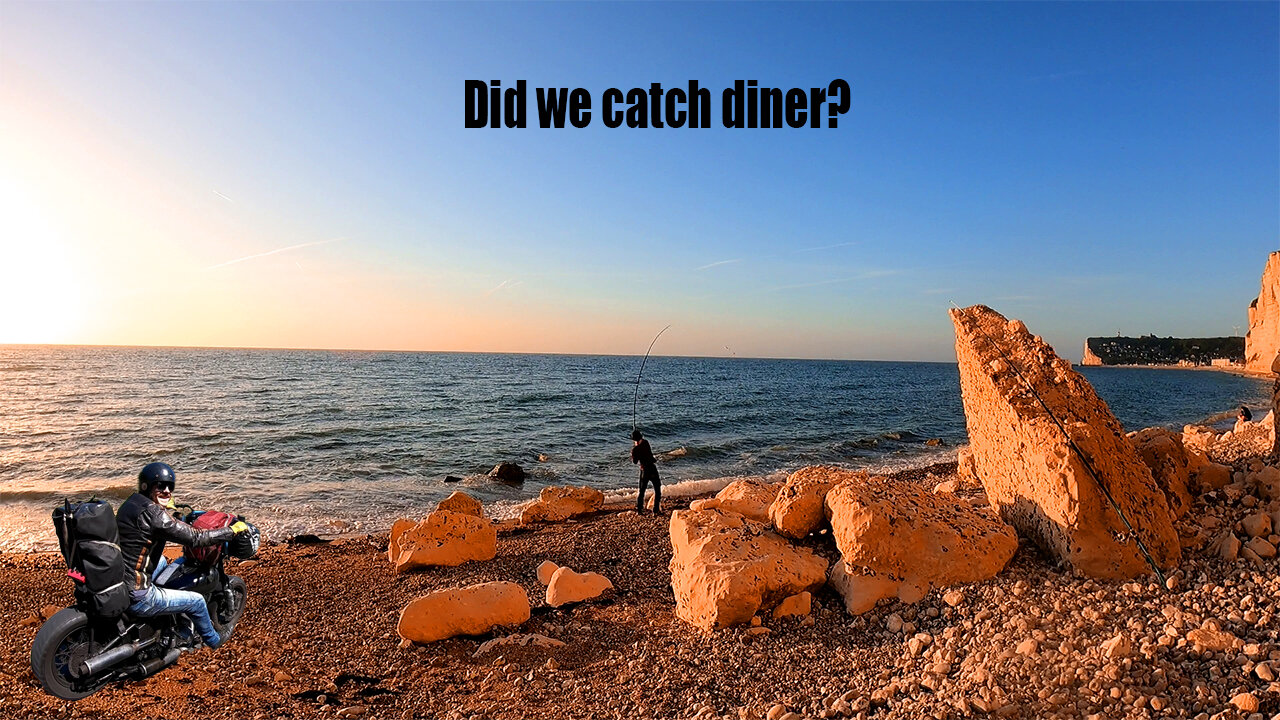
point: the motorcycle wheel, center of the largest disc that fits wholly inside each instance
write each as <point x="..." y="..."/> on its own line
<point x="226" y="614"/>
<point x="63" y="642"/>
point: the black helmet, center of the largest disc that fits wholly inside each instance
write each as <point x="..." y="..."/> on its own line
<point x="157" y="473"/>
<point x="635" y="435"/>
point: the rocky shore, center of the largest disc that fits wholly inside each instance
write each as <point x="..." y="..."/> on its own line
<point x="319" y="640"/>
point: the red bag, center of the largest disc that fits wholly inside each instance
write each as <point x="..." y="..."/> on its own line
<point x="211" y="520"/>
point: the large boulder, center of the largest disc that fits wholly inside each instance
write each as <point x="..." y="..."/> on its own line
<point x="555" y="504"/>
<point x="473" y="610"/>
<point x="726" y="568"/>
<point x="912" y="538"/>
<point x="398" y="528"/>
<point x="749" y="498"/>
<point x="797" y="510"/>
<point x="446" y="539"/>
<point x="1048" y="452"/>
<point x="507" y="472"/>
<point x="1164" y="455"/>
<point x="567" y="586"/>
<point x="461" y="502"/>
<point x="861" y="588"/>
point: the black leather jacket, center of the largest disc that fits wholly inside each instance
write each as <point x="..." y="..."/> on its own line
<point x="144" y="527"/>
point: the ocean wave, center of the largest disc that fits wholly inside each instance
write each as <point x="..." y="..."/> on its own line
<point x="73" y="491"/>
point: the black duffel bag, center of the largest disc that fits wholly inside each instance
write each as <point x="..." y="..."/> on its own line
<point x="89" y="541"/>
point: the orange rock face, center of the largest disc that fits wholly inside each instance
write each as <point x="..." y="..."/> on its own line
<point x="1263" y="341"/>
<point x="461" y="502"/>
<point x="473" y="610"/>
<point x="860" y="589"/>
<point x="567" y="586"/>
<point x="748" y="498"/>
<point x="1164" y="455"/>
<point x="556" y="504"/>
<point x="398" y="528"/>
<point x="798" y="510"/>
<point x="446" y="539"/>
<point x="1033" y="475"/>
<point x="726" y="568"/>
<point x="913" y="540"/>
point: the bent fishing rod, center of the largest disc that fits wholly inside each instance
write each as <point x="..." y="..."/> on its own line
<point x="636" y="398"/>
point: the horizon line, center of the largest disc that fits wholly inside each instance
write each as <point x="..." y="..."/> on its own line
<point x="448" y="352"/>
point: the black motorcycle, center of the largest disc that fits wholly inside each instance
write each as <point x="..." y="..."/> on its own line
<point x="76" y="653"/>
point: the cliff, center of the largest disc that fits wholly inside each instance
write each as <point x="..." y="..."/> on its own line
<point x="1263" y="341"/>
<point x="1152" y="350"/>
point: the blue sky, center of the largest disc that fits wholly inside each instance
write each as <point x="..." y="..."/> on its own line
<point x="1088" y="168"/>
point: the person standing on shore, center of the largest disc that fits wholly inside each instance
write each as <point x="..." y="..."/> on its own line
<point x="642" y="455"/>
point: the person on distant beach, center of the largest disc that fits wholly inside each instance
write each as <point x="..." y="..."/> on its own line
<point x="642" y="454"/>
<point x="1243" y="418"/>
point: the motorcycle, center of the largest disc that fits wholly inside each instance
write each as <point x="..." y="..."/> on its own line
<point x="76" y="654"/>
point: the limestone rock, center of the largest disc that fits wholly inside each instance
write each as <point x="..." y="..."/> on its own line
<point x="1028" y="461"/>
<point x="1197" y="439"/>
<point x="473" y="610"/>
<point x="798" y="508"/>
<point x="519" y="640"/>
<point x="1246" y="701"/>
<point x="704" y="504"/>
<point x="726" y="568"/>
<point x="1117" y="647"/>
<point x="446" y="539"/>
<point x="546" y="570"/>
<point x="1164" y="455"/>
<point x="1267" y="482"/>
<point x="860" y="589"/>
<point x="748" y="498"/>
<point x="461" y="502"/>
<point x="1213" y="639"/>
<point x="1257" y="524"/>
<point x="966" y="473"/>
<point x="555" y="504"/>
<point x="1211" y="476"/>
<point x="567" y="586"/>
<point x="794" y="606"/>
<point x="398" y="528"/>
<point x="1263" y="339"/>
<point x="1261" y="547"/>
<point x="903" y="533"/>
<point x="1226" y="546"/>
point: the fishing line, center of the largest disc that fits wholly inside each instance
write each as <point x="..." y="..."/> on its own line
<point x="636" y="399"/>
<point x="1079" y="453"/>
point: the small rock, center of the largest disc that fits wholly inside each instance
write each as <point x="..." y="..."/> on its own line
<point x="1257" y="524"/>
<point x="953" y="597"/>
<point x="1261" y="548"/>
<point x="1246" y="702"/>
<point x="893" y="623"/>
<point x="353" y="711"/>
<point x="776" y="712"/>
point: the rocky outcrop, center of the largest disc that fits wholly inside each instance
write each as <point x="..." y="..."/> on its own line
<point x="911" y="540"/>
<point x="748" y="498"/>
<point x="473" y="610"/>
<point x="556" y="504"/>
<point x="794" y="606"/>
<point x="398" y="528"/>
<point x="1263" y="340"/>
<point x="1033" y="423"/>
<point x="461" y="502"/>
<point x="567" y="586"/>
<point x="507" y="472"/>
<point x="798" y="508"/>
<point x="726" y="568"/>
<point x="1164" y="455"/>
<point x="445" y="539"/>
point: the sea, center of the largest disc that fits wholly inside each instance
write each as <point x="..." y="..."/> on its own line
<point x="330" y="442"/>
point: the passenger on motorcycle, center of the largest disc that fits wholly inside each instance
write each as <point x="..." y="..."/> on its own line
<point x="145" y="525"/>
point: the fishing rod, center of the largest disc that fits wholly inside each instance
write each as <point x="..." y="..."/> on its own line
<point x="636" y="399"/>
<point x="1079" y="453"/>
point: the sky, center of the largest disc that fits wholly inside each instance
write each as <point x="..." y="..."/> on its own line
<point x="300" y="175"/>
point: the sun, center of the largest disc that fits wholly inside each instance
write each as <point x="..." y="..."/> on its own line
<point x="40" y="292"/>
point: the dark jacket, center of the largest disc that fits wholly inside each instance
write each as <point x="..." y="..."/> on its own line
<point x="641" y="453"/>
<point x="144" y="528"/>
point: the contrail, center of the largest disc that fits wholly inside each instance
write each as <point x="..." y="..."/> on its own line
<point x="224" y="197"/>
<point x="826" y="247"/>
<point x="274" y="252"/>
<point x="719" y="262"/>
<point x="504" y="284"/>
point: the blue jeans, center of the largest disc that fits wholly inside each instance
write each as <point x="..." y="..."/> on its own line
<point x="163" y="601"/>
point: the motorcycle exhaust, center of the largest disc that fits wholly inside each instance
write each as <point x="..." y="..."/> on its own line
<point x="110" y="658"/>
<point x="155" y="665"/>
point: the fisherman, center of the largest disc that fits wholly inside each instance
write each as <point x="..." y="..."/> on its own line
<point x="145" y="524"/>
<point x="642" y="454"/>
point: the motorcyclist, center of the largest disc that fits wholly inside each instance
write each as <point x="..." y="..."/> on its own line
<point x="145" y="525"/>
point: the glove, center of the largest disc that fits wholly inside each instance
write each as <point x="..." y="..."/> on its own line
<point x="240" y="526"/>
